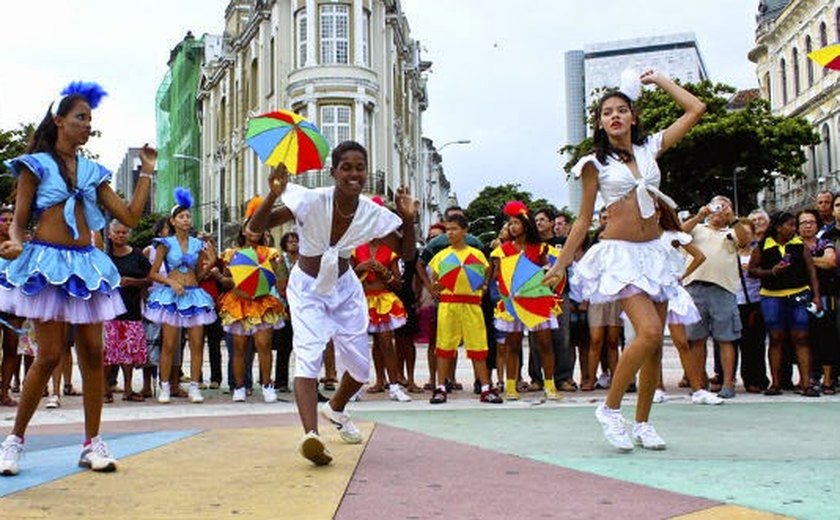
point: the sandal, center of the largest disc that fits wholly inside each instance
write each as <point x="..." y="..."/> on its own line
<point x="375" y="389"/>
<point x="133" y="396"/>
<point x="587" y="387"/>
<point x="8" y="401"/>
<point x="69" y="390"/>
<point x="773" y="390"/>
<point x="568" y="386"/>
<point x="429" y="386"/>
<point x="179" y="392"/>
<point x="414" y="389"/>
<point x="828" y="389"/>
<point x="147" y="394"/>
<point x="329" y="386"/>
<point x="810" y="392"/>
<point x="109" y="398"/>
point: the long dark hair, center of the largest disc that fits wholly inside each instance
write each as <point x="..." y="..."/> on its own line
<point x="601" y="145"/>
<point x="46" y="135"/>
<point x="668" y="218"/>
<point x="532" y="236"/>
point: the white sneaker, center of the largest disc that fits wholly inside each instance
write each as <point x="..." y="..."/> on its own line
<point x="705" y="397"/>
<point x="53" y="402"/>
<point x="269" y="394"/>
<point x="313" y="449"/>
<point x="163" y="395"/>
<point x="659" y="396"/>
<point x="11" y="451"/>
<point x="96" y="456"/>
<point x="603" y="381"/>
<point x="346" y="429"/>
<point x="195" y="394"/>
<point x="615" y="431"/>
<point x="239" y="395"/>
<point x="396" y="393"/>
<point x="645" y="436"/>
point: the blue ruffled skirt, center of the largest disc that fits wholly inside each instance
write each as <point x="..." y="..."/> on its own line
<point x="50" y="282"/>
<point x="194" y="307"/>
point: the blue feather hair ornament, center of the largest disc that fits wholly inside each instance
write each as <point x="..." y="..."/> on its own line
<point x="183" y="200"/>
<point x="90" y="90"/>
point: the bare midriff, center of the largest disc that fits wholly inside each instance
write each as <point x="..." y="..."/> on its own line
<point x="312" y="264"/>
<point x="52" y="227"/>
<point x="625" y="222"/>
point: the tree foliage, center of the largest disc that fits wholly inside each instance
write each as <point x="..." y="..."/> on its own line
<point x="142" y="234"/>
<point x="485" y="211"/>
<point x="751" y="143"/>
<point x="12" y="144"/>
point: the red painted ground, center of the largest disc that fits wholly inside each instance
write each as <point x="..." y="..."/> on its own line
<point x="409" y="475"/>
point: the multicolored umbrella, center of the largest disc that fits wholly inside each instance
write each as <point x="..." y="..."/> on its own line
<point x="828" y="57"/>
<point x="285" y="137"/>
<point x="523" y="294"/>
<point x="252" y="273"/>
<point x="461" y="278"/>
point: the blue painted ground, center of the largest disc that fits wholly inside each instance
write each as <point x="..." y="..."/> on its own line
<point x="51" y="457"/>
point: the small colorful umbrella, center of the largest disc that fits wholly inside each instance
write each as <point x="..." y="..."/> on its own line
<point x="828" y="57"/>
<point x="252" y="273"/>
<point x="523" y="294"/>
<point x="285" y="137"/>
<point x="461" y="278"/>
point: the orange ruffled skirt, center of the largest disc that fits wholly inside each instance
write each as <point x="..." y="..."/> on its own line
<point x="246" y="315"/>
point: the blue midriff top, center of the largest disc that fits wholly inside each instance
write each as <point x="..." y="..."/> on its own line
<point x="52" y="189"/>
<point x="175" y="258"/>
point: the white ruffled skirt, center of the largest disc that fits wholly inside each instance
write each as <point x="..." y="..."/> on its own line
<point x="681" y="309"/>
<point x="616" y="269"/>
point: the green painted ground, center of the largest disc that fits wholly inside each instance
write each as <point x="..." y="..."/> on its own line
<point x="779" y="457"/>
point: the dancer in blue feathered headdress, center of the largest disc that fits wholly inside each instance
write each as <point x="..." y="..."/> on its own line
<point x="59" y="278"/>
<point x="178" y="302"/>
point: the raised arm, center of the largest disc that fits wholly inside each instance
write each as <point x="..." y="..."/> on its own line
<point x="267" y="216"/>
<point x="129" y="214"/>
<point x="693" y="107"/>
<point x="404" y="241"/>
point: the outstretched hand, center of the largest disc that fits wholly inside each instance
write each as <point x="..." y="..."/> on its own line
<point x="405" y="203"/>
<point x="148" y="158"/>
<point x="649" y="77"/>
<point x="278" y="179"/>
<point x="554" y="276"/>
<point x="10" y="249"/>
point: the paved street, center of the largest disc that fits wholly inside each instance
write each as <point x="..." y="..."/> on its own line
<point x="459" y="460"/>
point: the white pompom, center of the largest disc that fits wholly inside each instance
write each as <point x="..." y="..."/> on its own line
<point x="631" y="85"/>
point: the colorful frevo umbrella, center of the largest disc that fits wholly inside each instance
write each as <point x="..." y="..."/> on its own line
<point x="828" y="57"/>
<point x="285" y="137"/>
<point x="523" y="294"/>
<point x="461" y="278"/>
<point x="252" y="272"/>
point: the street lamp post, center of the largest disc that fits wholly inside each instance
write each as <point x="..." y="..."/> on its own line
<point x="459" y="141"/>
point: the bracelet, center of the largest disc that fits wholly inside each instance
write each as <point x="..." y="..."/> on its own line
<point x="146" y="175"/>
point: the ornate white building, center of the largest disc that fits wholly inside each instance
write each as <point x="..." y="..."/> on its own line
<point x="787" y="30"/>
<point x="350" y="66"/>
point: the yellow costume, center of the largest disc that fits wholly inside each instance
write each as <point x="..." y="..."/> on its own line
<point x="243" y="315"/>
<point x="459" y="312"/>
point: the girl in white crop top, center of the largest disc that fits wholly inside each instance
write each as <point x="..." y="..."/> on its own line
<point x="630" y="264"/>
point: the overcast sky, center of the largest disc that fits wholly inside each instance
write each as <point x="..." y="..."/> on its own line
<point x="497" y="77"/>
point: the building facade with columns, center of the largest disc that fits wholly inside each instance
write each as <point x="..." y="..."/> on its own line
<point x="786" y="31"/>
<point x="350" y="66"/>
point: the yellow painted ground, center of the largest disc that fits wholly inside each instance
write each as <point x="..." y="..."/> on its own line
<point x="730" y="513"/>
<point x="247" y="473"/>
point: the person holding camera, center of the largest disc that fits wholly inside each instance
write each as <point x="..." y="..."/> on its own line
<point x="713" y="286"/>
<point x="789" y="291"/>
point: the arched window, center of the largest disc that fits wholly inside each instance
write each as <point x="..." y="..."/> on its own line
<point x="823" y="35"/>
<point x="826" y="142"/>
<point x="837" y="25"/>
<point x="797" y="88"/>
<point x="809" y="63"/>
<point x="768" y="89"/>
<point x="783" y="67"/>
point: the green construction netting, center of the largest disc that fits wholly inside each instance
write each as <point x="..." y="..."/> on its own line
<point x="178" y="129"/>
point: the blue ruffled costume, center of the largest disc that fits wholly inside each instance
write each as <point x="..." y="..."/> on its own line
<point x="195" y="306"/>
<point x="55" y="282"/>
